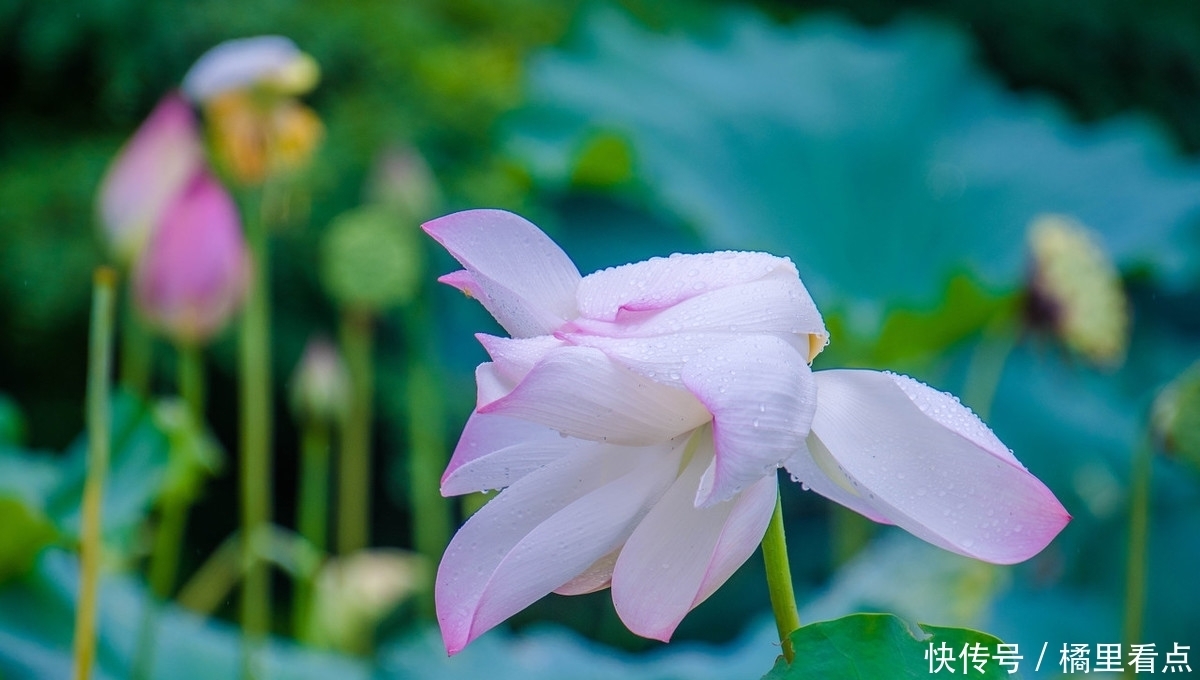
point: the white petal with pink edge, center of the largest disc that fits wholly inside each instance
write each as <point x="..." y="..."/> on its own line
<point x="761" y="394"/>
<point x="494" y="452"/>
<point x="582" y="393"/>
<point x="542" y="532"/>
<point x="660" y="282"/>
<point x="522" y="277"/>
<point x="926" y="463"/>
<point x="680" y="554"/>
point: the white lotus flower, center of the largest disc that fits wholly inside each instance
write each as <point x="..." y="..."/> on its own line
<point x="636" y="418"/>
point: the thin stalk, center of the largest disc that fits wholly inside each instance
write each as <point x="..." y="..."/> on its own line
<point x="256" y="427"/>
<point x="426" y="458"/>
<point x="1139" y="530"/>
<point x="172" y="515"/>
<point x="137" y="350"/>
<point x="779" y="581"/>
<point x="312" y="509"/>
<point x="191" y="380"/>
<point x="354" y="469"/>
<point x="100" y="351"/>
<point x="996" y="344"/>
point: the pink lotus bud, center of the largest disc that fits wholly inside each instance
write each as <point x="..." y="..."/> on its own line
<point x="149" y="172"/>
<point x="194" y="272"/>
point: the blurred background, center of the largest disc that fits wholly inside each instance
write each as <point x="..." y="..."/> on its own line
<point x="900" y="153"/>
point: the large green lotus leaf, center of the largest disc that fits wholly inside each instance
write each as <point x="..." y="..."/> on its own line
<point x="36" y="618"/>
<point x="883" y="646"/>
<point x="37" y="615"/>
<point x="883" y="161"/>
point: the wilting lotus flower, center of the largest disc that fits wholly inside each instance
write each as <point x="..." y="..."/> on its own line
<point x="191" y="278"/>
<point x="247" y="88"/>
<point x="148" y="174"/>
<point x="265" y="61"/>
<point x="637" y="416"/>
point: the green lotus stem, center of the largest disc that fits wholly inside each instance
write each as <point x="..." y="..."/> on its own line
<point x="996" y="344"/>
<point x="851" y="533"/>
<point x="312" y="509"/>
<point x="427" y="448"/>
<point x="100" y="351"/>
<point x="1139" y="530"/>
<point x="354" y="468"/>
<point x="426" y="459"/>
<point x="256" y="427"/>
<point x="779" y="581"/>
<point x="137" y="351"/>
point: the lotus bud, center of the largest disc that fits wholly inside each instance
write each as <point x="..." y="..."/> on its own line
<point x="369" y="259"/>
<point x="355" y="593"/>
<point x="148" y="173"/>
<point x="1176" y="417"/>
<point x="1075" y="290"/>
<point x="194" y="272"/>
<point x="320" y="385"/>
<point x="403" y="181"/>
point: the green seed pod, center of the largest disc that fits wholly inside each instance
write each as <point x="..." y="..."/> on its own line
<point x="1176" y="417"/>
<point x="1076" y="291"/>
<point x="371" y="259"/>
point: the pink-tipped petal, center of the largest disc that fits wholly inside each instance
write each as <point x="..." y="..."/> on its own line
<point x="463" y="281"/>
<point x="524" y="279"/>
<point x="148" y="174"/>
<point x="929" y="465"/>
<point x="661" y="282"/>
<point x="541" y="533"/>
<point x="761" y="394"/>
<point x="680" y="554"/>
<point x="494" y="452"/>
<point x="581" y="393"/>
<point x="515" y="357"/>
<point x="195" y="270"/>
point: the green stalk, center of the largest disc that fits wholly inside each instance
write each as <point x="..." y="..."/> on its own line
<point x="191" y="380"/>
<point x="996" y="344"/>
<point x="354" y="469"/>
<point x="1139" y="530"/>
<point x="256" y="426"/>
<point x="426" y="459"/>
<point x="137" y="350"/>
<point x="312" y="509"/>
<point x="99" y="442"/>
<point x="427" y="447"/>
<point x="779" y="581"/>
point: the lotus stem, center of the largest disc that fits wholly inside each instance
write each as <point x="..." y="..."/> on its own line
<point x="99" y="442"/>
<point x="256" y="427"/>
<point x="779" y="581"/>
<point x="1139" y="530"/>
<point x="354" y="469"/>
<point x="137" y="351"/>
<point x="312" y="509"/>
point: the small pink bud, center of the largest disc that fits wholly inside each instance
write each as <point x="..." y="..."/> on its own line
<point x="148" y="173"/>
<point x="194" y="272"/>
